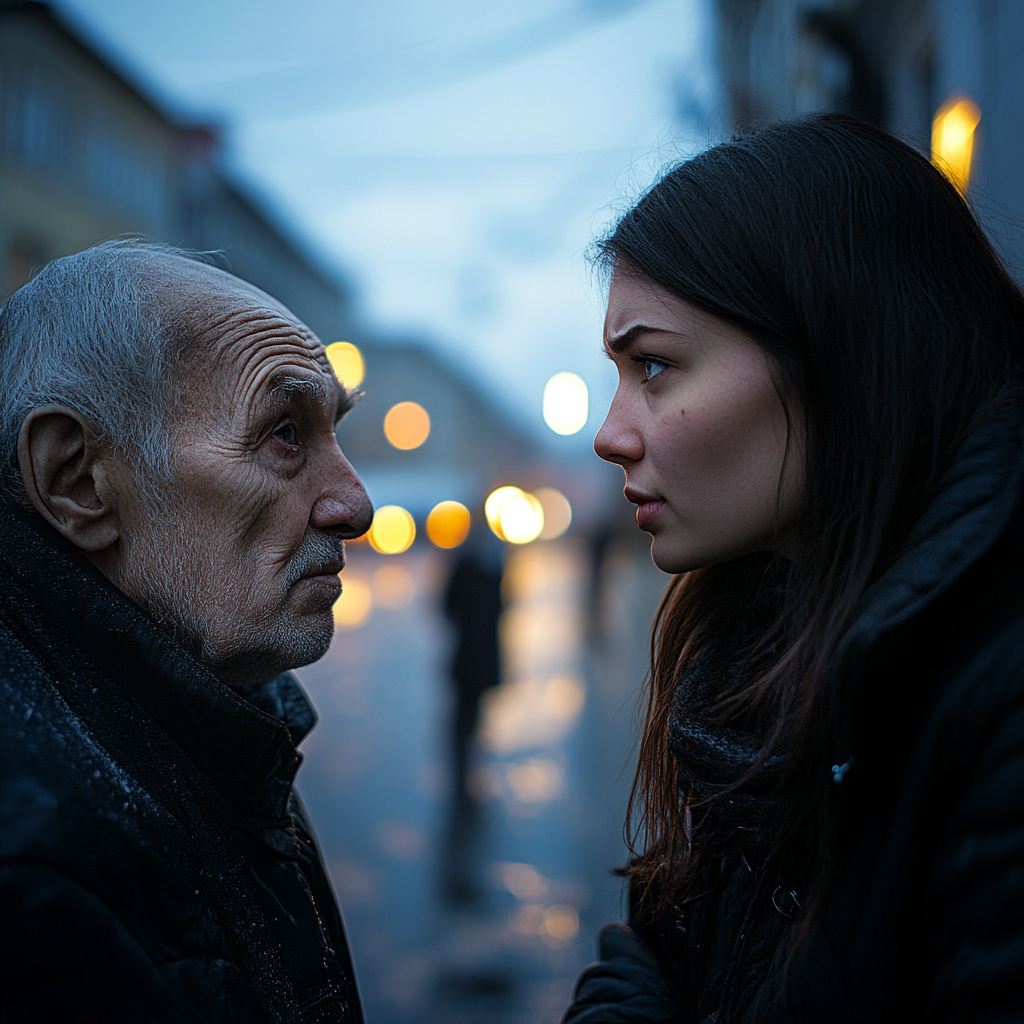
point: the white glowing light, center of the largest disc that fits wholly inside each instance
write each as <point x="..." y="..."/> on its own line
<point x="521" y="518"/>
<point x="566" y="403"/>
<point x="557" y="512"/>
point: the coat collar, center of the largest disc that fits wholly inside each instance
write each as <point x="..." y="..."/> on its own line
<point x="243" y="740"/>
<point x="974" y="504"/>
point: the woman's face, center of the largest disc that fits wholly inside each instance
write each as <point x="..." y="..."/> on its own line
<point x="699" y="428"/>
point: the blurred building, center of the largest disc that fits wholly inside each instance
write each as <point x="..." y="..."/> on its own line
<point x="86" y="154"/>
<point x="896" y="63"/>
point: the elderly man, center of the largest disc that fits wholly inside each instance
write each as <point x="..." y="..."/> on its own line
<point x="174" y="517"/>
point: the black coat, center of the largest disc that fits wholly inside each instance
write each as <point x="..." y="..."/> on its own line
<point x="925" y="921"/>
<point x="155" y="863"/>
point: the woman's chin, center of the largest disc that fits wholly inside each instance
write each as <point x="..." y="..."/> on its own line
<point x="668" y="557"/>
<point x="677" y="555"/>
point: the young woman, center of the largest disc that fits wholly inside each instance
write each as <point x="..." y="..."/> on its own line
<point x="820" y="414"/>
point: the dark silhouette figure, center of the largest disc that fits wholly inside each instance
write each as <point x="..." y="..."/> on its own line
<point x="472" y="603"/>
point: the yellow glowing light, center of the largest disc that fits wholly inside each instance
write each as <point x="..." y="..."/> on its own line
<point x="953" y="140"/>
<point x="347" y="363"/>
<point x="523" y="881"/>
<point x="557" y="512"/>
<point x="566" y="403"/>
<point x="492" y="507"/>
<point x="393" y="530"/>
<point x="521" y="518"/>
<point x="555" y="925"/>
<point x="448" y="524"/>
<point x="407" y="425"/>
<point x="531" y="712"/>
<point x="536" y="781"/>
<point x="353" y="608"/>
<point x="561" y="923"/>
<point x="393" y="587"/>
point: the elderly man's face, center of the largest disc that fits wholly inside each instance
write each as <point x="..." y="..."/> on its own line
<point x="242" y="561"/>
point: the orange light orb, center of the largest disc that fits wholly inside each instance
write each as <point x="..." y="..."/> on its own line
<point x="407" y="425"/>
<point x="448" y="524"/>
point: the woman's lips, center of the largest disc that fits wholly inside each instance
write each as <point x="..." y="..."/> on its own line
<point x="647" y="511"/>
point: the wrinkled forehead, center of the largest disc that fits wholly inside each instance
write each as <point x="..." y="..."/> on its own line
<point x="203" y="298"/>
<point x="236" y="337"/>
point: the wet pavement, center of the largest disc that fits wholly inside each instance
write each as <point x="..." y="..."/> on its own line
<point x="488" y="920"/>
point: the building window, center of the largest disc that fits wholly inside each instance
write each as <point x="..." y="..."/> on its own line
<point x="119" y="174"/>
<point x="41" y="125"/>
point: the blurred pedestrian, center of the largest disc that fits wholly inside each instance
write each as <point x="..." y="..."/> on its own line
<point x="820" y="413"/>
<point x="174" y="512"/>
<point x="473" y="604"/>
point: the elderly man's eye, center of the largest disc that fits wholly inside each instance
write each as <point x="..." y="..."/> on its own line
<point x="286" y="432"/>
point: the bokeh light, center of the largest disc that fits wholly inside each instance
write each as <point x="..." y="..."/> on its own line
<point x="347" y="363"/>
<point x="538" y="780"/>
<point x="561" y="923"/>
<point x="393" y="530"/>
<point x="521" y="518"/>
<point x="407" y="425"/>
<point x="557" y="512"/>
<point x="556" y="925"/>
<point x="526" y="713"/>
<point x="393" y="587"/>
<point x="448" y="524"/>
<point x="354" y="605"/>
<point x="523" y="880"/>
<point x="513" y="515"/>
<point x="566" y="403"/>
<point x="492" y="507"/>
<point x="953" y="140"/>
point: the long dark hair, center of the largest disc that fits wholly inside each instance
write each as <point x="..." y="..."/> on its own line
<point x="863" y="274"/>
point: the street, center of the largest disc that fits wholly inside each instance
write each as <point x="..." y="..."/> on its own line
<point x="551" y="780"/>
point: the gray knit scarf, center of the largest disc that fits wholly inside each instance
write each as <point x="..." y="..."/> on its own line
<point x="713" y="757"/>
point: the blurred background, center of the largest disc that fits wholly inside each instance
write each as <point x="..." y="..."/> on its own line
<point x="419" y="181"/>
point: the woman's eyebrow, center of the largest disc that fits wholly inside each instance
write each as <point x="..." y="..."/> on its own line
<point x="621" y="342"/>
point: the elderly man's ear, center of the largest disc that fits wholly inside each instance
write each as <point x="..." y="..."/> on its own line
<point x="70" y="479"/>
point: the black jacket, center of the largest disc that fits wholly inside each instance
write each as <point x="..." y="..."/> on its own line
<point x="925" y="921"/>
<point x="155" y="864"/>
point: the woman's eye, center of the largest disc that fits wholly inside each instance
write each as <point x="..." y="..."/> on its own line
<point x="652" y="368"/>
<point x="287" y="432"/>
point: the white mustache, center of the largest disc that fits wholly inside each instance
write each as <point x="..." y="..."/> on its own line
<point x="314" y="551"/>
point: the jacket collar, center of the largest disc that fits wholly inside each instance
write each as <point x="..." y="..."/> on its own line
<point x="243" y="740"/>
<point x="975" y="502"/>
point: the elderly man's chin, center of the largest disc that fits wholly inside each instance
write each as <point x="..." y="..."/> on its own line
<point x="260" y="647"/>
<point x="291" y="644"/>
<point x="243" y="631"/>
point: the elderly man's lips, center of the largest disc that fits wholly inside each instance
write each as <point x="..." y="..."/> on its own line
<point x="325" y="572"/>
<point x="647" y="511"/>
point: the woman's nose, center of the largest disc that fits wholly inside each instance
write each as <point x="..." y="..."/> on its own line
<point x="619" y="439"/>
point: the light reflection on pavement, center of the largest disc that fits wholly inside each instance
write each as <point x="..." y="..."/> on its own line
<point x="554" y="742"/>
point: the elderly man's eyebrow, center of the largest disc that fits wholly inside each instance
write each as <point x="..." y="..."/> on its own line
<point x="345" y="400"/>
<point x="292" y="384"/>
<point x="289" y="384"/>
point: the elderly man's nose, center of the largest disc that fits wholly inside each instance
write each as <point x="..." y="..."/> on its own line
<point x="346" y="511"/>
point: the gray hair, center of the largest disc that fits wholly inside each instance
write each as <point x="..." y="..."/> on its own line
<point x="89" y="333"/>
